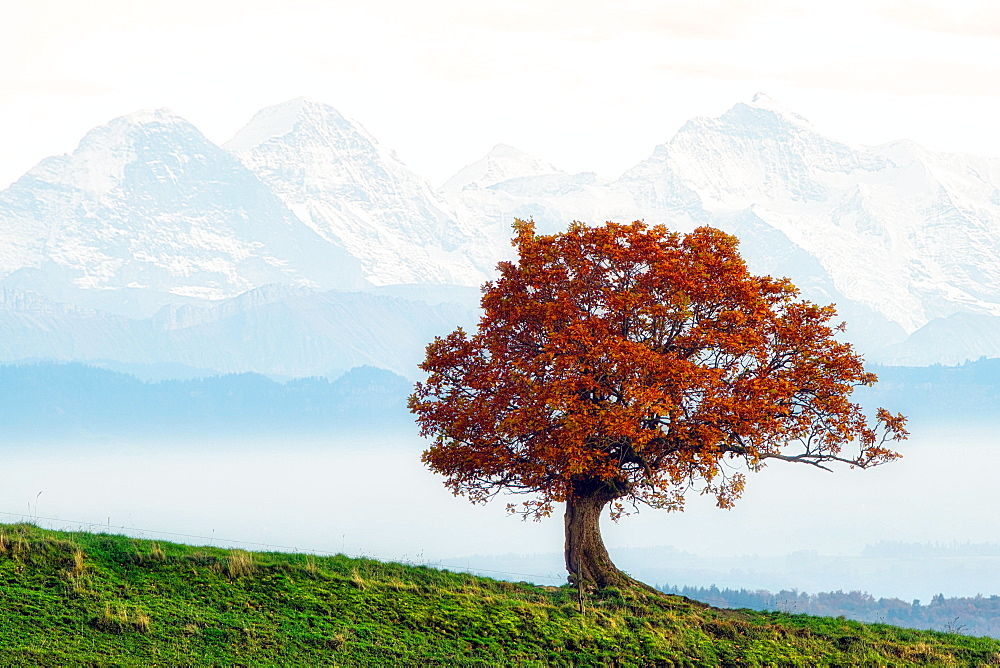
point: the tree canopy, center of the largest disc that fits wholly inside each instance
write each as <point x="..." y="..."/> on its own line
<point x="626" y="365"/>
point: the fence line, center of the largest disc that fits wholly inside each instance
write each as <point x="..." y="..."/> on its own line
<point x="211" y="539"/>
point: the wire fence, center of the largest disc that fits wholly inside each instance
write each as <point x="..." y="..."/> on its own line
<point x="64" y="524"/>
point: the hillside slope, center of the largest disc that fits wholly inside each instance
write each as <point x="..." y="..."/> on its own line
<point x="96" y="599"/>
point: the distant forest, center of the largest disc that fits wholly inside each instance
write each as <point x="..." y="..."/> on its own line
<point x="976" y="616"/>
<point x="49" y="400"/>
<point x="968" y="392"/>
<point x="58" y="400"/>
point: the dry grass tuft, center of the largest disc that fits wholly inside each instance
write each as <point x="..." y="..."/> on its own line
<point x="156" y="553"/>
<point x="21" y="547"/>
<point x="239" y="563"/>
<point x="78" y="585"/>
<point x="112" y="616"/>
<point x="141" y="621"/>
<point x="398" y="585"/>
<point x="311" y="568"/>
<point x="79" y="567"/>
<point x="76" y="573"/>
<point x="358" y="581"/>
<point x="117" y="618"/>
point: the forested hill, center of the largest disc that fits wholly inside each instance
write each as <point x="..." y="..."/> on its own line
<point x="56" y="400"/>
<point x="74" y="400"/>
<point x="968" y="392"/>
<point x="973" y="615"/>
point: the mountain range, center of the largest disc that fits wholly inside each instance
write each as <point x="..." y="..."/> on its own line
<point x="304" y="247"/>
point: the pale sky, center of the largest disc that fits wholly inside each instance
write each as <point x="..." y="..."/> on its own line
<point x="586" y="85"/>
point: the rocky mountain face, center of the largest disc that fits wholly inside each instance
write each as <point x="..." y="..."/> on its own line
<point x="360" y="197"/>
<point x="148" y="203"/>
<point x="302" y="246"/>
<point x="905" y="241"/>
<point x="275" y="330"/>
<point x="913" y="234"/>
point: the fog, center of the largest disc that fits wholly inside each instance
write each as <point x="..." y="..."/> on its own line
<point x="371" y="496"/>
<point x="942" y="490"/>
<point x="366" y="497"/>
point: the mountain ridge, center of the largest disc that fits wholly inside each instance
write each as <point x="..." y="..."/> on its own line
<point x="147" y="202"/>
<point x="147" y="214"/>
<point x="356" y="195"/>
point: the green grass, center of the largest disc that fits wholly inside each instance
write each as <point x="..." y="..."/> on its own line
<point x="96" y="599"/>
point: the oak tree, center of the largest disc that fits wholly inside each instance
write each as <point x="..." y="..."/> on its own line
<point x="626" y="365"/>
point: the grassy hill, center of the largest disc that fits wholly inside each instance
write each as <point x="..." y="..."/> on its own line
<point x="96" y="599"/>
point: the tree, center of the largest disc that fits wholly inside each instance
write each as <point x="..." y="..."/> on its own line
<point x="625" y="365"/>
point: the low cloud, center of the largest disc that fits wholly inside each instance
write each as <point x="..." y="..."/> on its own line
<point x="594" y="20"/>
<point x="907" y="77"/>
<point x="979" y="18"/>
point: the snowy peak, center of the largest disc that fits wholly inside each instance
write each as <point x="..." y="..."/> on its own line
<point x="764" y="103"/>
<point x="359" y="196"/>
<point x="148" y="117"/>
<point x="270" y="123"/>
<point x="502" y="163"/>
<point x="762" y="120"/>
<point x="302" y="142"/>
<point x="152" y="130"/>
<point x="912" y="234"/>
<point x="147" y="202"/>
<point x="130" y="127"/>
<point x="148" y="211"/>
<point x="761" y="117"/>
<point x="98" y="164"/>
<point x="280" y="120"/>
<point x="756" y="153"/>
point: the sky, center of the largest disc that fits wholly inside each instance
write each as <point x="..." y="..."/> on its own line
<point x="586" y="85"/>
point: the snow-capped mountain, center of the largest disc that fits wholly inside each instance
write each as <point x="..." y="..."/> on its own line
<point x="149" y="215"/>
<point x="502" y="163"/>
<point x="147" y="202"/>
<point x="507" y="183"/>
<point x="898" y="236"/>
<point x="275" y="330"/>
<point x="359" y="196"/>
<point x="652" y="192"/>
<point x="913" y="234"/>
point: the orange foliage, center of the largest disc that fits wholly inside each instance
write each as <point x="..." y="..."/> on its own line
<point x="644" y="359"/>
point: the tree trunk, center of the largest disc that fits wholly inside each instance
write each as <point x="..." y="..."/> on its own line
<point x="587" y="559"/>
